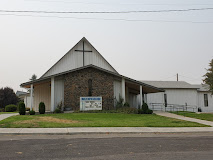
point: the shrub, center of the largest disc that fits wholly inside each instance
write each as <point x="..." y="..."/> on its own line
<point x="2" y="110"/>
<point x="41" y="108"/>
<point x="32" y="112"/>
<point x="11" y="108"/>
<point x="128" y="110"/>
<point x="120" y="103"/>
<point x="21" y="107"/>
<point x="149" y="111"/>
<point x="57" y="110"/>
<point x="27" y="109"/>
<point x="140" y="111"/>
<point x="145" y="109"/>
<point x="126" y="104"/>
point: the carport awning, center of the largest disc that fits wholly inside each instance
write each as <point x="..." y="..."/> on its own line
<point x="135" y="85"/>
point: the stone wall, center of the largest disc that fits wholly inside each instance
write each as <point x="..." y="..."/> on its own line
<point x="76" y="86"/>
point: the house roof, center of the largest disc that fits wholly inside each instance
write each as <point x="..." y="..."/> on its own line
<point x="171" y="84"/>
<point x="19" y="93"/>
<point x="153" y="88"/>
<point x="66" y="68"/>
<point x="202" y="87"/>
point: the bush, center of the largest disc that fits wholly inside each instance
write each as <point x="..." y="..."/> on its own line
<point x="32" y="112"/>
<point x="21" y="107"/>
<point x="149" y="111"/>
<point x="145" y="109"/>
<point x="27" y="109"/>
<point x="126" y="104"/>
<point x="57" y="110"/>
<point x="120" y="103"/>
<point x="140" y="111"/>
<point x="11" y="108"/>
<point x="41" y="108"/>
<point x="128" y="110"/>
<point x="2" y="110"/>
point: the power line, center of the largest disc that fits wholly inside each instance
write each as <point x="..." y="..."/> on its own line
<point x="167" y="78"/>
<point x="105" y="12"/>
<point x="108" y="19"/>
<point x="190" y="77"/>
<point x="102" y="3"/>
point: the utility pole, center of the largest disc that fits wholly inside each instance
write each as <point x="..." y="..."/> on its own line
<point x="177" y="77"/>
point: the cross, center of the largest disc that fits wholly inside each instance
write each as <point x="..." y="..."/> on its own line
<point x="83" y="52"/>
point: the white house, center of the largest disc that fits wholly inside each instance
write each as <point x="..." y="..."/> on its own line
<point x="205" y="98"/>
<point x="180" y="95"/>
<point x="25" y="96"/>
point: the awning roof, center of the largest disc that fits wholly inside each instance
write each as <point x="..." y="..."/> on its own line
<point x="146" y="87"/>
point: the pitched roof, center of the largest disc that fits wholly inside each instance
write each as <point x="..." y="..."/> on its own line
<point x="171" y="84"/>
<point x="202" y="87"/>
<point x="19" y="93"/>
<point x="74" y="59"/>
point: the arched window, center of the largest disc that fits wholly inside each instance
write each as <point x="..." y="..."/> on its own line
<point x="90" y="87"/>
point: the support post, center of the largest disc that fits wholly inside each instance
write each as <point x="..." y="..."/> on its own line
<point x="123" y="89"/>
<point x="52" y="94"/>
<point x="141" y="96"/>
<point x="145" y="98"/>
<point x="31" y="97"/>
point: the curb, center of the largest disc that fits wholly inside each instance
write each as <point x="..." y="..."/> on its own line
<point x="102" y="130"/>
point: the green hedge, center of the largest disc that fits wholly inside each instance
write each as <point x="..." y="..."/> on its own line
<point x="41" y="108"/>
<point x="22" y="110"/>
<point x="145" y="109"/>
<point x="57" y="110"/>
<point x="11" y="108"/>
<point x="32" y="112"/>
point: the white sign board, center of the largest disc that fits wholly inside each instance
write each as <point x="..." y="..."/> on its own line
<point x="90" y="103"/>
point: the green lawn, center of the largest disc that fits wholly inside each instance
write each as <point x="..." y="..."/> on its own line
<point x="93" y="120"/>
<point x="203" y="116"/>
<point x="7" y="112"/>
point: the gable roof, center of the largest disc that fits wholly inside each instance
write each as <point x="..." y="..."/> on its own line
<point x="171" y="84"/>
<point x="74" y="59"/>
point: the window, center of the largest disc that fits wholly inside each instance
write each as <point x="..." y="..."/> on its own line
<point x="165" y="100"/>
<point x="90" y="87"/>
<point x="206" y="104"/>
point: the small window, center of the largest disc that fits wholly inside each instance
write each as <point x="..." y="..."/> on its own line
<point x="206" y="103"/>
<point x="90" y="87"/>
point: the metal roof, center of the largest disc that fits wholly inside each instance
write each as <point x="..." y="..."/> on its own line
<point x="155" y="89"/>
<point x="202" y="87"/>
<point x="171" y="84"/>
<point x="83" y="39"/>
<point x="19" y="93"/>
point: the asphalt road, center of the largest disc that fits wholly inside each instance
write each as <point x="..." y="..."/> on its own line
<point x="120" y="147"/>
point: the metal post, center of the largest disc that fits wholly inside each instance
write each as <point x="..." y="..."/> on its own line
<point x="52" y="94"/>
<point x="31" y="97"/>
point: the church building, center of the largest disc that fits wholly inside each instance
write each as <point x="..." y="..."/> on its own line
<point x="84" y="74"/>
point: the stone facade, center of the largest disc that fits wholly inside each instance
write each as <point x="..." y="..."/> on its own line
<point x="85" y="82"/>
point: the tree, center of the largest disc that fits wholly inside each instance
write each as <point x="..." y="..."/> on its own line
<point x="209" y="77"/>
<point x="34" y="77"/>
<point x="7" y="96"/>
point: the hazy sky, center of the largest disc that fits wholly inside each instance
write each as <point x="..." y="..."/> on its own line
<point x="157" y="47"/>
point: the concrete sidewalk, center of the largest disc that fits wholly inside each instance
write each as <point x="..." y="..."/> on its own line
<point x="102" y="130"/>
<point x="4" y="116"/>
<point x="171" y="115"/>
